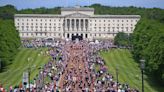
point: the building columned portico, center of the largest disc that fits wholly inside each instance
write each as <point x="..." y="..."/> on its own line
<point x="74" y="23"/>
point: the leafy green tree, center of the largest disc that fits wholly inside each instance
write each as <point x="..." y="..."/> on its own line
<point x="9" y="41"/>
<point x="121" y="39"/>
<point x="148" y="43"/>
<point x="7" y="12"/>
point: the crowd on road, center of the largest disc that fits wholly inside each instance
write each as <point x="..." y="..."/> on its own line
<point x="74" y="66"/>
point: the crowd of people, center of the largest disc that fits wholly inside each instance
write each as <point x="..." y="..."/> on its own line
<point x="74" y="66"/>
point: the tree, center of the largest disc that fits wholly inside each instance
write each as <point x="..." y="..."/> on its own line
<point x="148" y="43"/>
<point x="9" y="41"/>
<point x="121" y="39"/>
<point x="7" y="12"/>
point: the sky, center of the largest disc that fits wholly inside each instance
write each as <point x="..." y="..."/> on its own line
<point x="23" y="4"/>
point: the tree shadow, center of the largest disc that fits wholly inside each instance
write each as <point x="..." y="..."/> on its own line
<point x="154" y="83"/>
<point x="5" y="68"/>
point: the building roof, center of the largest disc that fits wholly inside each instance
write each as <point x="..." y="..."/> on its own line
<point x="77" y="8"/>
<point x="93" y="16"/>
<point x="38" y="15"/>
<point x="116" y="16"/>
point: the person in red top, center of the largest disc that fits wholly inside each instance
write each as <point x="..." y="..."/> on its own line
<point x="1" y="88"/>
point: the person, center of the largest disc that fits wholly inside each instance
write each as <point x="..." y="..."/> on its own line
<point x="11" y="89"/>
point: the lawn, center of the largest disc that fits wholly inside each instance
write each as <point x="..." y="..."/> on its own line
<point x="13" y="73"/>
<point x="128" y="70"/>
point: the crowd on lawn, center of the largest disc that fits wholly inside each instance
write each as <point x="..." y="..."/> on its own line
<point x="74" y="66"/>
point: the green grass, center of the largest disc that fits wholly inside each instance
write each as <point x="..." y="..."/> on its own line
<point x="12" y="75"/>
<point x="128" y="70"/>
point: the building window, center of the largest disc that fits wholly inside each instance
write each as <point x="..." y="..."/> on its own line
<point x="126" y="28"/>
<point x="17" y="19"/>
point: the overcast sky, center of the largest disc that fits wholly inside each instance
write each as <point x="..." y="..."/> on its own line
<point x="22" y="4"/>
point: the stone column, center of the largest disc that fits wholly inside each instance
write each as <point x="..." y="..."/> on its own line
<point x="84" y="36"/>
<point x="87" y="25"/>
<point x="65" y="24"/>
<point x="79" y="24"/>
<point x="71" y="24"/>
<point x="75" y="24"/>
<point x="84" y="24"/>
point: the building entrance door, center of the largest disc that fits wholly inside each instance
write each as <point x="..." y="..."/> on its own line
<point x="76" y="36"/>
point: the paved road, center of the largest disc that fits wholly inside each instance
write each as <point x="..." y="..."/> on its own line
<point x="77" y="77"/>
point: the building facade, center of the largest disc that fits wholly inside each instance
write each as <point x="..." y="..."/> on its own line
<point x="74" y="22"/>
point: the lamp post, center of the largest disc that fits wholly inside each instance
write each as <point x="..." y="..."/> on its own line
<point x="0" y="65"/>
<point x="117" y="77"/>
<point x="142" y="72"/>
<point x="29" y="71"/>
<point x="29" y="77"/>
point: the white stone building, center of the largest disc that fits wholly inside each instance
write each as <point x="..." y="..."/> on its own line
<point x="74" y="22"/>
